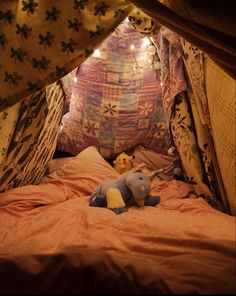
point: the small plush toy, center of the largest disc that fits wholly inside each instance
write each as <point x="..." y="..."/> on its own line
<point x="132" y="188"/>
<point x="123" y="163"/>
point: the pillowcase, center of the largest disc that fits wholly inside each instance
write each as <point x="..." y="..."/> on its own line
<point x="88" y="162"/>
<point x="56" y="163"/>
<point x="154" y="161"/>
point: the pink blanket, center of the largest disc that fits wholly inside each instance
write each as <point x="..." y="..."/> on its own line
<point x="52" y="241"/>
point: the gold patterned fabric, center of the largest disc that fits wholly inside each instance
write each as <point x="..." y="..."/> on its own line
<point x="41" y="41"/>
<point x="33" y="137"/>
<point x="221" y="98"/>
<point x="186" y="141"/>
<point x="8" y="120"/>
<point x="143" y="23"/>
<point x="193" y="58"/>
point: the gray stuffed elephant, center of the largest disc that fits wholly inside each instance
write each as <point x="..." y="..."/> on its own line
<point x="131" y="188"/>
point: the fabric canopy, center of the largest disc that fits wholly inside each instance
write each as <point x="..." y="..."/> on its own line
<point x="41" y="41"/>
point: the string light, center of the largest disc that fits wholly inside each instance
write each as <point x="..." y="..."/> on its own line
<point x="151" y="50"/>
<point x="97" y="53"/>
<point x="146" y="42"/>
<point x="75" y="79"/>
<point x="132" y="47"/>
<point x="153" y="59"/>
<point x="126" y="20"/>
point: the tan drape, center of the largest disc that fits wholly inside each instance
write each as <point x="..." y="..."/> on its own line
<point x="221" y="99"/>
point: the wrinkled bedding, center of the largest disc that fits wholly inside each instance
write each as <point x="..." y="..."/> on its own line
<point x="52" y="241"/>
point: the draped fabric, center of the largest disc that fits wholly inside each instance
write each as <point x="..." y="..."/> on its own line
<point x="41" y="41"/>
<point x="202" y="24"/>
<point x="172" y="76"/>
<point x="196" y="162"/>
<point x="194" y="59"/>
<point x="183" y="116"/>
<point x="38" y="53"/>
<point x="221" y="99"/>
<point x="32" y="137"/>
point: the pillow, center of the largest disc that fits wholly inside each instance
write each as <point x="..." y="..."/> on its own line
<point x="56" y="163"/>
<point x="88" y="162"/>
<point x="153" y="160"/>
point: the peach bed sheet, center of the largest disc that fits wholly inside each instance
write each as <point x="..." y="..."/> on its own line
<point x="52" y="241"/>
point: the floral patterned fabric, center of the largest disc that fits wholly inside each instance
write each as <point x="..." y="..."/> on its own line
<point x="116" y="100"/>
<point x="42" y="41"/>
<point x="183" y="131"/>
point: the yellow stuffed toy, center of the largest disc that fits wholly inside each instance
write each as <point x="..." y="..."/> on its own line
<point x="123" y="163"/>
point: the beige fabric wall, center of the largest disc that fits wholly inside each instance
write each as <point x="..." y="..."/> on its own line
<point x="221" y="95"/>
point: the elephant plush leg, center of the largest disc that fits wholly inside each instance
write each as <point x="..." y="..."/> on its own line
<point x="115" y="201"/>
<point x="98" y="201"/>
<point x="152" y="200"/>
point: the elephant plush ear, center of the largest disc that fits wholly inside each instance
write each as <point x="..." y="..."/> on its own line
<point x="160" y="171"/>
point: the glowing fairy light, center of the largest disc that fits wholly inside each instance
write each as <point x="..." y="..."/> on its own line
<point x="97" y="53"/>
<point x="75" y="79"/>
<point x="151" y="50"/>
<point x="132" y="47"/>
<point x="146" y="42"/>
<point x="161" y="84"/>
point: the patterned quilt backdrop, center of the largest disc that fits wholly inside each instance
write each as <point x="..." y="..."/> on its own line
<point x="116" y="98"/>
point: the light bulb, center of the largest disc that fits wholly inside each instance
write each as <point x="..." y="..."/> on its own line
<point x="146" y="42"/>
<point x="132" y="47"/>
<point x="75" y="79"/>
<point x="161" y="83"/>
<point x="151" y="49"/>
<point x="97" y="53"/>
